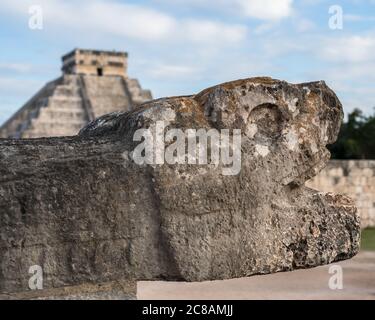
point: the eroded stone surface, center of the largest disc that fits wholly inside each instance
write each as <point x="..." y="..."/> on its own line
<point x="85" y="213"/>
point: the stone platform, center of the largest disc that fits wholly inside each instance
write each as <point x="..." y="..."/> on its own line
<point x="358" y="283"/>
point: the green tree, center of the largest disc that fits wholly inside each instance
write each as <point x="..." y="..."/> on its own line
<point x="356" y="139"/>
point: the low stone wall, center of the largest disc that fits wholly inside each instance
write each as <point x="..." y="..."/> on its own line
<point x="355" y="178"/>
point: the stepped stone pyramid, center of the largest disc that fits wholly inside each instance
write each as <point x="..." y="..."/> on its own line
<point x="93" y="83"/>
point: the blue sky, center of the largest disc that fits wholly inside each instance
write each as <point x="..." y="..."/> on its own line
<point x="179" y="47"/>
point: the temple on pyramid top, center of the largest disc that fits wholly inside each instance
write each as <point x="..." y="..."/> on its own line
<point x="92" y="83"/>
<point x="95" y="62"/>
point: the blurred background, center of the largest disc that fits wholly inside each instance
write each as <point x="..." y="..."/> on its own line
<point x="179" y="47"/>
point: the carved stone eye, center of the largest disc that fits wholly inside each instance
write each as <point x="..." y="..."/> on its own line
<point x="268" y="119"/>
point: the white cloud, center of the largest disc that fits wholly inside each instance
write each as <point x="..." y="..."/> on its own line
<point x="13" y="86"/>
<point x="358" y="18"/>
<point x="349" y="49"/>
<point x="208" y="31"/>
<point x="100" y="16"/>
<point x="263" y="28"/>
<point x="265" y="9"/>
<point x="258" y="9"/>
<point x="15" y="67"/>
<point x="304" y="25"/>
<point x="167" y="71"/>
<point x="355" y="78"/>
<point x="127" y="20"/>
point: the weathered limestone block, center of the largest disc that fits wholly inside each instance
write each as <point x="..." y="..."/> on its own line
<point x="82" y="209"/>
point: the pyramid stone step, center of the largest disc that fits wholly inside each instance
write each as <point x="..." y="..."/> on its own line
<point x="66" y="91"/>
<point x="106" y="94"/>
<point x="138" y="95"/>
<point x="57" y="116"/>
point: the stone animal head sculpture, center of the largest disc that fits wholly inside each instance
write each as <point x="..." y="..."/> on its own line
<point x="85" y="212"/>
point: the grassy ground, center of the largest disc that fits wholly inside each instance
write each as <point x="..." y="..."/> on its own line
<point x="368" y="239"/>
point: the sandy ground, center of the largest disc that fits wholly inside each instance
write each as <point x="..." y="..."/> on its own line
<point x="358" y="283"/>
